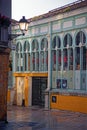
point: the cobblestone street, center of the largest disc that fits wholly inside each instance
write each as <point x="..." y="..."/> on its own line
<point x="34" y="118"/>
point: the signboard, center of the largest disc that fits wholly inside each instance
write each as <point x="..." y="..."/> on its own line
<point x="61" y="83"/>
<point x="54" y="99"/>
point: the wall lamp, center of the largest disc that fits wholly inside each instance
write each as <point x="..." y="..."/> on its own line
<point x="23" y="26"/>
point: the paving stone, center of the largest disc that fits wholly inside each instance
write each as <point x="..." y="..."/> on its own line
<point x="35" y="118"/>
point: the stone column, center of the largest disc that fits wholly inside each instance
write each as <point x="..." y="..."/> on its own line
<point x="47" y="97"/>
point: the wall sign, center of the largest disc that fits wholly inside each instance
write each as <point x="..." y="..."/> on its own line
<point x="54" y="99"/>
<point x="61" y="83"/>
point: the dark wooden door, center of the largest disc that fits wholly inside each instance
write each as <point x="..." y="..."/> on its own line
<point x="39" y="84"/>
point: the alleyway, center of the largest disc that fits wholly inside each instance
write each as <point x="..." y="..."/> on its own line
<point x="34" y="118"/>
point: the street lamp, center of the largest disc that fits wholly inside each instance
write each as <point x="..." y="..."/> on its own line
<point x="23" y="26"/>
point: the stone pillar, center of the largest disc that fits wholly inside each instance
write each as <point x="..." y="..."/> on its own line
<point x="30" y="91"/>
<point x="47" y="98"/>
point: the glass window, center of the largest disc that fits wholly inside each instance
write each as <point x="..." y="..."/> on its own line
<point x="46" y="60"/>
<point x="18" y="47"/>
<point x="56" y="42"/>
<point x="77" y="58"/>
<point x="26" y="55"/>
<point x="59" y="59"/>
<point x="84" y="58"/>
<point x="80" y="51"/>
<point x="65" y="59"/>
<point x="42" y="61"/>
<point x="35" y="45"/>
<point x="21" y="62"/>
<point x="37" y="61"/>
<point x="35" y="55"/>
<point x="42" y="44"/>
<point x="70" y="59"/>
<point x="28" y="61"/>
<point x="67" y="40"/>
<point x="53" y="60"/>
<point x="44" y="55"/>
<point x="56" y="53"/>
<point x="67" y="52"/>
<point x="80" y="38"/>
<point x="80" y="60"/>
<point x="26" y="46"/>
<point x="33" y="61"/>
<point x="19" y="58"/>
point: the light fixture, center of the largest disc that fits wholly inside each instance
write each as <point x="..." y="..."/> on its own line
<point x="23" y="26"/>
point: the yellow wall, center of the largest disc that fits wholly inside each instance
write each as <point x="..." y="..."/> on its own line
<point x="31" y="74"/>
<point x="73" y="103"/>
<point x="26" y="77"/>
<point x="8" y="96"/>
<point x="26" y="91"/>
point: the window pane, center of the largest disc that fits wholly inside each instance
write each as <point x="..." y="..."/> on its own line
<point x="42" y="61"/>
<point x="46" y="60"/>
<point x="33" y="61"/>
<point x="80" y="38"/>
<point x="59" y="59"/>
<point x="65" y="61"/>
<point x="29" y="61"/>
<point x="70" y="59"/>
<point x="77" y="58"/>
<point x="53" y="60"/>
<point x="83" y="58"/>
<point x="37" y="61"/>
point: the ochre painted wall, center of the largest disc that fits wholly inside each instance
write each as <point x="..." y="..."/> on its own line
<point x="67" y="102"/>
<point x="26" y="77"/>
<point x="30" y="74"/>
<point x="26" y="90"/>
<point x="8" y="96"/>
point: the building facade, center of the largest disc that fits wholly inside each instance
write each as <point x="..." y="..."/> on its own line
<point x="5" y="21"/>
<point x="50" y="61"/>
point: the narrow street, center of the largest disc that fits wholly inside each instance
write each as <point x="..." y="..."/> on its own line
<point x="35" y="118"/>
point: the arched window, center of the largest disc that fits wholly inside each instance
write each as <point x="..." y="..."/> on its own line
<point x="18" y="47"/>
<point x="80" y="60"/>
<point x="26" y="58"/>
<point x="56" y="42"/>
<point x="67" y="52"/>
<point x="35" y="55"/>
<point x="80" y="51"/>
<point x="56" y="53"/>
<point x="67" y="40"/>
<point x="80" y="38"/>
<point x="44" y="55"/>
<point x="35" y="45"/>
<point x="19" y="57"/>
<point x="26" y="46"/>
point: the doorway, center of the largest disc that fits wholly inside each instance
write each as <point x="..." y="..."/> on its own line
<point x="39" y="84"/>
